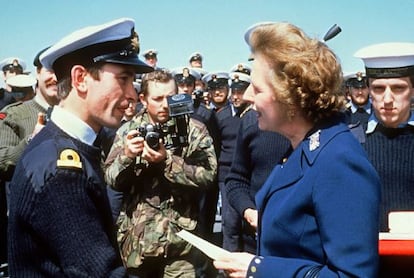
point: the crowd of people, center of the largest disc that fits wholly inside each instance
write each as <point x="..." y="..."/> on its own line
<point x="104" y="157"/>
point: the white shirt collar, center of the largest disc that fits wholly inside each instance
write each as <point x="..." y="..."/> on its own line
<point x="73" y="125"/>
<point x="41" y="101"/>
<point x="373" y="122"/>
<point x="367" y="107"/>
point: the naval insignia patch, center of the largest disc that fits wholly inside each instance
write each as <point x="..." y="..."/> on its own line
<point x="69" y="158"/>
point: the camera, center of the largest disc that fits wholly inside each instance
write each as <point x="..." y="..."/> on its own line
<point x="198" y="97"/>
<point x="174" y="132"/>
<point x="152" y="134"/>
<point x="179" y="106"/>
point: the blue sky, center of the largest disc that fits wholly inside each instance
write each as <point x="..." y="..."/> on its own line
<point x="215" y="28"/>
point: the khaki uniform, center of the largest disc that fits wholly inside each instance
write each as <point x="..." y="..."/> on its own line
<point x="18" y="124"/>
<point x="160" y="199"/>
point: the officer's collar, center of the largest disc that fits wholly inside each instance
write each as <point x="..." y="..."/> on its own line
<point x="73" y="125"/>
<point x="373" y="122"/>
<point x="367" y="107"/>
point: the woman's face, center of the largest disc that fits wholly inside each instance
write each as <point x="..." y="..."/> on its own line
<point x="272" y="114"/>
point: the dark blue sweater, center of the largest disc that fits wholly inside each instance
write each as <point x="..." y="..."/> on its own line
<point x="256" y="153"/>
<point x="60" y="222"/>
<point x="391" y="151"/>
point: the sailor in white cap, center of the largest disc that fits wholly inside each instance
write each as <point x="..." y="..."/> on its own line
<point x="22" y="120"/>
<point x="229" y="118"/>
<point x="199" y="84"/>
<point x="185" y="78"/>
<point x="151" y="57"/>
<point x="22" y="86"/>
<point x="239" y="83"/>
<point x="390" y="134"/>
<point x="218" y="88"/>
<point x="358" y="98"/>
<point x="241" y="67"/>
<point x="196" y="60"/>
<point x="58" y="197"/>
<point x="10" y="67"/>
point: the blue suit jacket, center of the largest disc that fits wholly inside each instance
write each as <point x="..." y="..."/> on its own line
<point x="318" y="212"/>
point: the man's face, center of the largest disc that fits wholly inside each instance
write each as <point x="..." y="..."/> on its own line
<point x="359" y="96"/>
<point x="151" y="60"/>
<point x="391" y="99"/>
<point x="218" y="96"/>
<point x="156" y="100"/>
<point x="236" y="96"/>
<point x="13" y="71"/>
<point x="186" y="87"/>
<point x="46" y="82"/>
<point x="196" y="64"/>
<point x="108" y="98"/>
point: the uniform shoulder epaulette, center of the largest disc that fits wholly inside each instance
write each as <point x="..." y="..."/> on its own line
<point x="69" y="158"/>
<point x="14" y="104"/>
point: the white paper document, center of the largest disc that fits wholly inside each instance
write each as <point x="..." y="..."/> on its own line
<point x="396" y="236"/>
<point x="211" y="250"/>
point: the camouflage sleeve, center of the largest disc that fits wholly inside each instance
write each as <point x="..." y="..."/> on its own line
<point x="117" y="166"/>
<point x="197" y="166"/>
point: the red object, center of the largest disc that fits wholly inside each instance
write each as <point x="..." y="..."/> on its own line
<point x="396" y="247"/>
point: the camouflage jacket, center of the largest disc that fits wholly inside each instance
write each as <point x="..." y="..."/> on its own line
<point x="163" y="194"/>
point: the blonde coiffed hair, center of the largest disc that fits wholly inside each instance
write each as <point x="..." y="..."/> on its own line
<point x="306" y="74"/>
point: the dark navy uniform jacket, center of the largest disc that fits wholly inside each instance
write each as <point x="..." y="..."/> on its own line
<point x="60" y="221"/>
<point x="318" y="212"/>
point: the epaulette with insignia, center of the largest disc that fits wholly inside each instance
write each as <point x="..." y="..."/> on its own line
<point x="16" y="103"/>
<point x="69" y="158"/>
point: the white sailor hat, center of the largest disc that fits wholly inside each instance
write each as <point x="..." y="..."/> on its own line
<point x="196" y="56"/>
<point x="200" y="71"/>
<point x="239" y="80"/>
<point x="112" y="42"/>
<point x="185" y="75"/>
<point x="241" y="67"/>
<point x="12" y="63"/>
<point x="21" y="81"/>
<point x="21" y="85"/>
<point x="150" y="53"/>
<point x="216" y="79"/>
<point x="356" y="79"/>
<point x="388" y="60"/>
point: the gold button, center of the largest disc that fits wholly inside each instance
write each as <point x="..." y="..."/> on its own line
<point x="253" y="269"/>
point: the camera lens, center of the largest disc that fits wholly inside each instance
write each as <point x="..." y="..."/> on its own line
<point x="153" y="140"/>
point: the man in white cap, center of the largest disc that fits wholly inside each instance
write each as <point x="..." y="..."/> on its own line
<point x="218" y="89"/>
<point x="151" y="57"/>
<point x="229" y="118"/>
<point x="390" y="132"/>
<point x="60" y="220"/>
<point x="196" y="60"/>
<point x="19" y="122"/>
<point x="10" y="67"/>
<point x="359" y="102"/>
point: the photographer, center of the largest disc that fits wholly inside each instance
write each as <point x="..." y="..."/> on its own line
<point x="162" y="186"/>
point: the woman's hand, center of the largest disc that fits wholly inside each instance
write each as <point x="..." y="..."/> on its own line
<point x="235" y="265"/>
